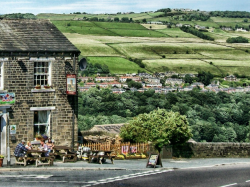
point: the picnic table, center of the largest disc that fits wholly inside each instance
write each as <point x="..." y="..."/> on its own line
<point x="36" y="156"/>
<point x="64" y="153"/>
<point x="101" y="156"/>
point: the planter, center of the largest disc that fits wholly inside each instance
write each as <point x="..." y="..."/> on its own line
<point x="46" y="87"/>
<point x="38" y="87"/>
<point x="1" y="162"/>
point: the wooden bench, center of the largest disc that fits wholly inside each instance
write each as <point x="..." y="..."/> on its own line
<point x="35" y="156"/>
<point x="41" y="161"/>
<point x="64" y="153"/>
<point x="101" y="158"/>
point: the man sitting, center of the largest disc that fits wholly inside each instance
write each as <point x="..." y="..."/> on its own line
<point x="20" y="149"/>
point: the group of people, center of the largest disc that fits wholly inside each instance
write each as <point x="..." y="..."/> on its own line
<point x="21" y="148"/>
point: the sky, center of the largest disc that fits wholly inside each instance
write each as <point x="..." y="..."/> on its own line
<point x="114" y="6"/>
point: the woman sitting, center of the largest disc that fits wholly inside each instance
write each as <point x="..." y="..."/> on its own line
<point x="28" y="146"/>
<point x="50" y="145"/>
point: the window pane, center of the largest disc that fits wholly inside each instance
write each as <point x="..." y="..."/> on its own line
<point x="35" y="117"/>
<point x="42" y="117"/>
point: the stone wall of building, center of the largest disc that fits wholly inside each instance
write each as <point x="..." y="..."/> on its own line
<point x="212" y="150"/>
<point x="19" y="78"/>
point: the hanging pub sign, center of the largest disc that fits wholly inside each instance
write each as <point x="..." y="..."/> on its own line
<point x="7" y="98"/>
<point x="71" y="84"/>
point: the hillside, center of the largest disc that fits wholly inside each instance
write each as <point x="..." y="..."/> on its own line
<point x="161" y="48"/>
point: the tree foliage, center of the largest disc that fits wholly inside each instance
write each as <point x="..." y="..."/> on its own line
<point x="196" y="32"/>
<point x="231" y="14"/>
<point x="159" y="126"/>
<point x="212" y="117"/>
<point x="19" y="16"/>
<point x="239" y="39"/>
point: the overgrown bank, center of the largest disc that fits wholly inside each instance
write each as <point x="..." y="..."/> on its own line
<point x="212" y="117"/>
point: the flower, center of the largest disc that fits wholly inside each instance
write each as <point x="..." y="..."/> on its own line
<point x="1" y="156"/>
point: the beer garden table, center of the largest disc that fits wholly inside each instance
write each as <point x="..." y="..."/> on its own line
<point x="101" y="156"/>
<point x="37" y="156"/>
<point x="64" y="153"/>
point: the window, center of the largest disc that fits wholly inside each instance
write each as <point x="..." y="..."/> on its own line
<point x="41" y="122"/>
<point x="42" y="73"/>
<point x="1" y="75"/>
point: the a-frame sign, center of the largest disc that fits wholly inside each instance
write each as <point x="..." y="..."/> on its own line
<point x="154" y="159"/>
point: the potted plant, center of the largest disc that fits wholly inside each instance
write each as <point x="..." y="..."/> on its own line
<point x="46" y="86"/>
<point x="1" y="160"/>
<point x="39" y="137"/>
<point x="38" y="86"/>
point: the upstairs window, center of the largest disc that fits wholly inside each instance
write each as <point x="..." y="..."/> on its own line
<point x="42" y="73"/>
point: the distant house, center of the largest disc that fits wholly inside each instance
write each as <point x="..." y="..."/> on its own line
<point x="157" y="90"/>
<point x="152" y="85"/>
<point x="212" y="86"/>
<point x="200" y="27"/>
<point x="91" y="84"/>
<point x="230" y="78"/>
<point x="142" y="90"/>
<point x="155" y="22"/>
<point x="199" y="84"/>
<point x="118" y="90"/>
<point x="241" y="30"/>
<point x="145" y="75"/>
<point x="84" y="88"/>
<point x="189" y="88"/>
<point x="239" y="89"/>
<point x="179" y="25"/>
<point x="153" y="80"/>
<point x="105" y="79"/>
<point x="183" y="75"/>
<point x="247" y="89"/>
<point x="173" y="81"/>
<point x="85" y="79"/>
<point x="136" y="79"/>
<point x="226" y="28"/>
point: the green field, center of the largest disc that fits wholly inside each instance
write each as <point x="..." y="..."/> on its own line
<point x="176" y="32"/>
<point x="221" y="19"/>
<point x="159" y="47"/>
<point x="116" y="64"/>
<point x="180" y="65"/>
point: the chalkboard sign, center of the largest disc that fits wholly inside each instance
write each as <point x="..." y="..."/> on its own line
<point x="153" y="160"/>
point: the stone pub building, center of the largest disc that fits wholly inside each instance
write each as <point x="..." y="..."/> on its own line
<point x="35" y="54"/>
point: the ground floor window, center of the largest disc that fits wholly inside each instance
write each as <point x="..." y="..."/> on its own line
<point x="41" y="122"/>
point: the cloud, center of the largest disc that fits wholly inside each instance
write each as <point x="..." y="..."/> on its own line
<point x="113" y="6"/>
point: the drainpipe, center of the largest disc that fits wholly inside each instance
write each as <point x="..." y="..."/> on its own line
<point x="8" y="140"/>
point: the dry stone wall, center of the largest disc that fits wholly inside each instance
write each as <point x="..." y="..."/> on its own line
<point x="212" y="150"/>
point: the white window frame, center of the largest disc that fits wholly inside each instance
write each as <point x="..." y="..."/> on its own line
<point x="45" y="124"/>
<point x="48" y="74"/>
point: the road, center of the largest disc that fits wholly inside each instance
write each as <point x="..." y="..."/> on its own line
<point x="227" y="175"/>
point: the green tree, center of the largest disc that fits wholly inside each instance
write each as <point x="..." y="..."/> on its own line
<point x="159" y="126"/>
<point x="116" y="19"/>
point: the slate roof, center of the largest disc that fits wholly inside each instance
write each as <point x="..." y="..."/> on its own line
<point x="111" y="128"/>
<point x="23" y="35"/>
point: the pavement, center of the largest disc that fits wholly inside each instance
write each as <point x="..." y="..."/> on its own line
<point x="132" y="164"/>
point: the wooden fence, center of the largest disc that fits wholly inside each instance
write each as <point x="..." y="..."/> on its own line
<point x="121" y="148"/>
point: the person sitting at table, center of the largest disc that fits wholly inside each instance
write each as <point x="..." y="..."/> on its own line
<point x="20" y="149"/>
<point x="28" y="146"/>
<point x="50" y="145"/>
<point x="44" y="147"/>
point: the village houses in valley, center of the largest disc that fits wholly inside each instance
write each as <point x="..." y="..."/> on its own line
<point x="35" y="61"/>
